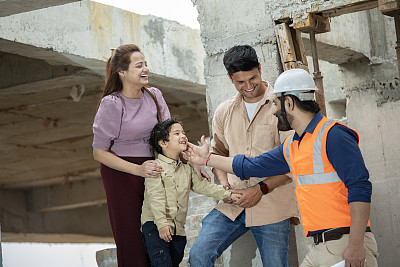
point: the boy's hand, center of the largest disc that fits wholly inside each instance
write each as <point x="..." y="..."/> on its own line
<point x="198" y="155"/>
<point x="166" y="233"/>
<point x="200" y="171"/>
<point x="228" y="200"/>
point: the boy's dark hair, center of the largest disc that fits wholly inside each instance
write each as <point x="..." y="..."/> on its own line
<point x="240" y="58"/>
<point x="161" y="132"/>
<point x="309" y="105"/>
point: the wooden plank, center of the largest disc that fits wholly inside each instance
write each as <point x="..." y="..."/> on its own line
<point x="316" y="23"/>
<point x="286" y="42"/>
<point x="296" y="65"/>
<point x="279" y="44"/>
<point x="389" y="7"/>
<point x="299" y="46"/>
<point x="350" y="8"/>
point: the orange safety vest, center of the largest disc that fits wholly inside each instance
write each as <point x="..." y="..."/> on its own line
<point x="321" y="194"/>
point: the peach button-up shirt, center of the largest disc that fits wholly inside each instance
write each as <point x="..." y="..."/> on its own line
<point x="234" y="134"/>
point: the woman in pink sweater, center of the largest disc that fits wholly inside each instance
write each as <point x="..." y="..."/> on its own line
<point x="127" y="112"/>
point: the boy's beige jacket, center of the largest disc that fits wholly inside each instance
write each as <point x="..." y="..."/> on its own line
<point x="166" y="197"/>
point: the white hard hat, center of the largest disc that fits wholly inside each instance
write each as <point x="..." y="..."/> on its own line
<point x="296" y="82"/>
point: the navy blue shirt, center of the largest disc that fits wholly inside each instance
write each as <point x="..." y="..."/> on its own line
<point x="342" y="151"/>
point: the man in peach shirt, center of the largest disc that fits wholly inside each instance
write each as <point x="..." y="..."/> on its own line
<point x="245" y="124"/>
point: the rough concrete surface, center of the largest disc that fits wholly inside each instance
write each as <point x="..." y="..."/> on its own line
<point x="89" y="30"/>
<point x="60" y="48"/>
<point x="107" y="258"/>
<point x="11" y="7"/>
<point x="51" y="76"/>
<point x="358" y="62"/>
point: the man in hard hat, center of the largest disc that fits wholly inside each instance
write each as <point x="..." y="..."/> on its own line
<point x="236" y="127"/>
<point x="331" y="180"/>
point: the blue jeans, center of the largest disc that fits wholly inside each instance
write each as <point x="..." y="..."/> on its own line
<point x="218" y="232"/>
<point x="162" y="253"/>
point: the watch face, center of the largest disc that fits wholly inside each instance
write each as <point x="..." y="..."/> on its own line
<point x="264" y="188"/>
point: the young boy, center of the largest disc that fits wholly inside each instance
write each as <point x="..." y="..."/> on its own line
<point x="166" y="197"/>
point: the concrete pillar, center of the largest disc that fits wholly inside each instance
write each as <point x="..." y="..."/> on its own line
<point x="107" y="257"/>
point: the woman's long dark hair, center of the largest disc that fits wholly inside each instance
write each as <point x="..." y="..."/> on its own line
<point x="120" y="60"/>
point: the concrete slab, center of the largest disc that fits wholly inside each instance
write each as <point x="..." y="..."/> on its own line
<point x="83" y="33"/>
<point x="11" y="7"/>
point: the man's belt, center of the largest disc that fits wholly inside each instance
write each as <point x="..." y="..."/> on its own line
<point x="333" y="234"/>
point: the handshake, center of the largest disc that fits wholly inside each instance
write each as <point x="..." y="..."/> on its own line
<point x="200" y="155"/>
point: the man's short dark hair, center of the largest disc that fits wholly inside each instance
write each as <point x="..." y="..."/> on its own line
<point x="161" y="132"/>
<point x="309" y="105"/>
<point x="240" y="58"/>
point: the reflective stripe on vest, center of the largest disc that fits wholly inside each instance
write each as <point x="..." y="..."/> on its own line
<point x="319" y="178"/>
<point x="289" y="142"/>
<point x="317" y="155"/>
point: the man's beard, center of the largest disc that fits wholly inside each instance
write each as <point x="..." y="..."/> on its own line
<point x="281" y="123"/>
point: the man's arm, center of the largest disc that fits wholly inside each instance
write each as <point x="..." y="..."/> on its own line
<point x="348" y="162"/>
<point x="268" y="164"/>
<point x="219" y="145"/>
<point x="354" y="254"/>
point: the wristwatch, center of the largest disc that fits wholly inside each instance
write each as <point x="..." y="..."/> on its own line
<point x="263" y="187"/>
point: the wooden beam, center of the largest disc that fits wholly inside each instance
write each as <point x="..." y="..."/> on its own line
<point x="291" y="48"/>
<point x="314" y="22"/>
<point x="299" y="47"/>
<point x="286" y="42"/>
<point x="350" y="8"/>
<point x="389" y="7"/>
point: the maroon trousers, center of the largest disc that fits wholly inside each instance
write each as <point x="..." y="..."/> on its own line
<point x="124" y="199"/>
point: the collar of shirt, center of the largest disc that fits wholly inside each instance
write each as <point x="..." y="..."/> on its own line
<point x="168" y="160"/>
<point x="310" y="127"/>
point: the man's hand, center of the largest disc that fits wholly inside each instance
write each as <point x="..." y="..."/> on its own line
<point x="354" y="255"/>
<point x="248" y="197"/>
<point x="166" y="233"/>
<point x="198" y="155"/>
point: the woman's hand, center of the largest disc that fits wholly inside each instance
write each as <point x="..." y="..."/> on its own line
<point x="150" y="169"/>
<point x="166" y="233"/>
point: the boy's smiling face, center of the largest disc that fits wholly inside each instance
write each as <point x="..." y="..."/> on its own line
<point x="177" y="140"/>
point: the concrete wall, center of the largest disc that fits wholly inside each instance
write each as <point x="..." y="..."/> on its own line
<point x="50" y="186"/>
<point x="361" y="88"/>
<point x="82" y="34"/>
